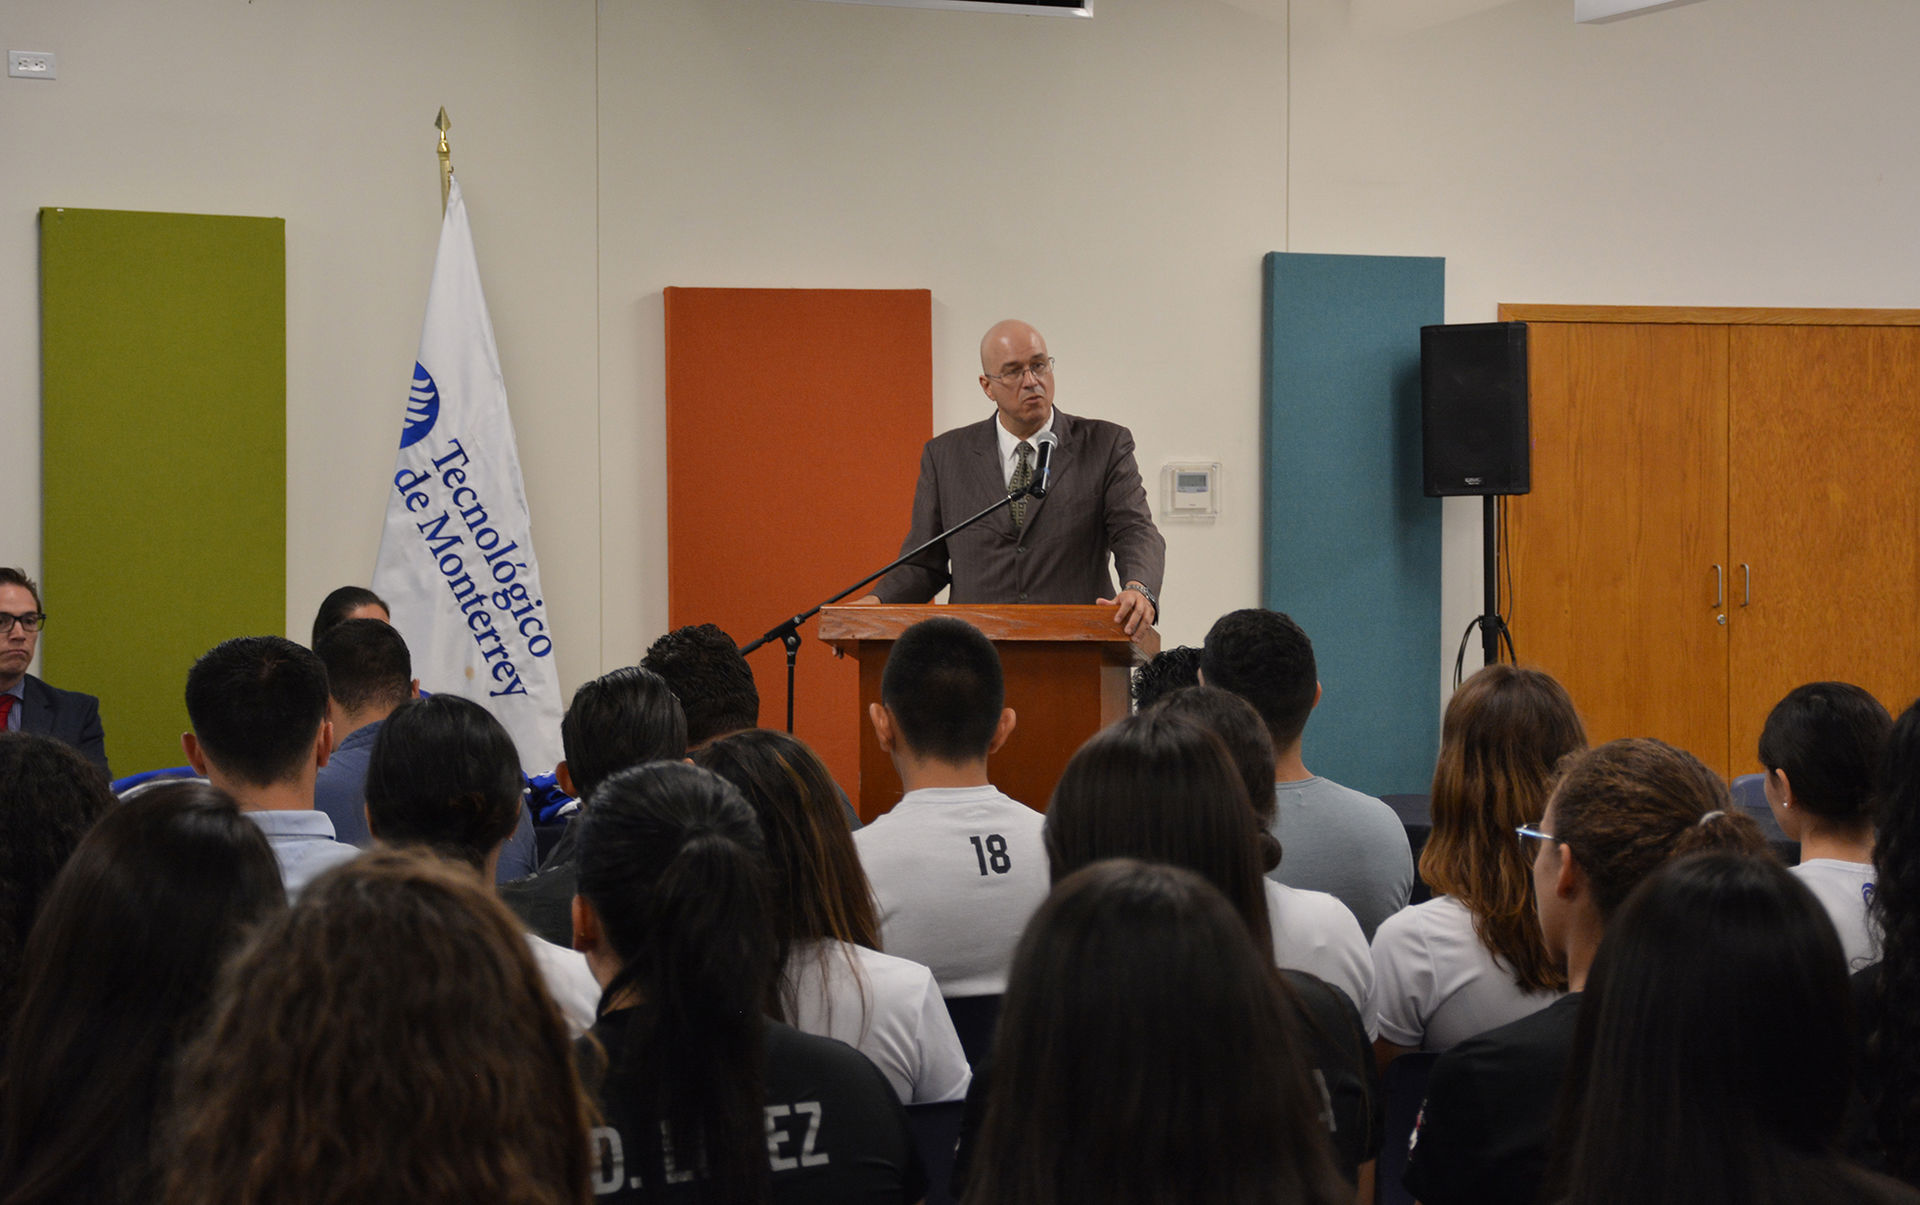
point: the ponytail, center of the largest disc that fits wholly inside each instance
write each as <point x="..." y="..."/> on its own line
<point x="672" y="860"/>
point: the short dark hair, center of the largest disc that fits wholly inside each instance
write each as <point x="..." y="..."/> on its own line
<point x="335" y="608"/>
<point x="1165" y="672"/>
<point x="51" y="797"/>
<point x="444" y="774"/>
<point x="9" y="576"/>
<point x="713" y="682"/>
<point x="620" y="719"/>
<point x="367" y="664"/>
<point x="1828" y="736"/>
<point x="944" y="686"/>
<point x="1266" y="659"/>
<point x="256" y="704"/>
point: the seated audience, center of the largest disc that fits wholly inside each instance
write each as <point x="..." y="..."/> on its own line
<point x="1711" y="1064"/>
<point x="705" y="1099"/>
<point x="118" y="975"/>
<point x="956" y="867"/>
<point x="1165" y="672"/>
<point x="258" y="705"/>
<point x="835" y="982"/>
<point x="1148" y="1055"/>
<point x="1886" y="992"/>
<point x="1162" y="788"/>
<point x="49" y="797"/>
<point x="1339" y="841"/>
<point x="1312" y="931"/>
<point x="369" y="673"/>
<point x="386" y="1039"/>
<point x="348" y="602"/>
<point x="1820" y="747"/>
<point x="444" y="774"/>
<point x="1471" y="958"/>
<point x="1616" y="815"/>
<point x="620" y="719"/>
<point x="704" y="669"/>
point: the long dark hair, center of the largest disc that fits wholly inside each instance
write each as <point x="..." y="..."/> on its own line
<point x="118" y="973"/>
<point x="1505" y="730"/>
<point x="1895" y="1040"/>
<point x="673" y="862"/>
<point x="819" y="891"/>
<point x="1145" y="1055"/>
<point x="388" y="1038"/>
<point x="1712" y="1060"/>
<point x="1162" y="787"/>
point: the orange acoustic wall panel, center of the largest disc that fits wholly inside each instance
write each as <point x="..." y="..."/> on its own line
<point x="794" y="424"/>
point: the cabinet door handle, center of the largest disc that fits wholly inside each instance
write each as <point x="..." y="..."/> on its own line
<point x="1746" y="585"/>
<point x="1719" y="585"/>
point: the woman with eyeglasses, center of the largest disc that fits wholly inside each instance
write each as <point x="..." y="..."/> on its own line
<point x="1471" y="958"/>
<point x="1617" y="814"/>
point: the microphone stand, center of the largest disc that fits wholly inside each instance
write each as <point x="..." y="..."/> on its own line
<point x="787" y="631"/>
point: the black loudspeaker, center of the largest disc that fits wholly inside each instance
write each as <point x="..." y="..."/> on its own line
<point x="1473" y="409"/>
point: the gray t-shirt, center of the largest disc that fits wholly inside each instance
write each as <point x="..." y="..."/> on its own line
<point x="1349" y="845"/>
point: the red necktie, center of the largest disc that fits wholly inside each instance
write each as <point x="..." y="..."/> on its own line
<point x="6" y="709"/>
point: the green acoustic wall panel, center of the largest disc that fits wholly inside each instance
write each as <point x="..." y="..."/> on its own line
<point x="1350" y="545"/>
<point x="163" y="346"/>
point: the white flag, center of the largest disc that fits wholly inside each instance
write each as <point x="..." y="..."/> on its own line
<point x="456" y="558"/>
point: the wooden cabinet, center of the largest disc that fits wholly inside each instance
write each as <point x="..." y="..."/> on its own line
<point x="1726" y="504"/>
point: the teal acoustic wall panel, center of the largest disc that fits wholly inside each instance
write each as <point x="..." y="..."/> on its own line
<point x="1350" y="547"/>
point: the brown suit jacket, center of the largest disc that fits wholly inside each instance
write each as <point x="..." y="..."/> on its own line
<point x="1094" y="506"/>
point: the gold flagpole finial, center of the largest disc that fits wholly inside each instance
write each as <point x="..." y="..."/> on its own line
<point x="446" y="157"/>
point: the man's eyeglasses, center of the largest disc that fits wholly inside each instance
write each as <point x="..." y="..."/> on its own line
<point x="1529" y="835"/>
<point x="31" y="621"/>
<point x="1039" y="368"/>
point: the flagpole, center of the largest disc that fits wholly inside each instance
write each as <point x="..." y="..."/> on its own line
<point x="446" y="158"/>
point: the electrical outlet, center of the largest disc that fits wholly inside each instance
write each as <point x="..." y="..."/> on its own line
<point x="32" y="64"/>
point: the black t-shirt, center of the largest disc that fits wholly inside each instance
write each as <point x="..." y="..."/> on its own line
<point x="544" y="900"/>
<point x="1487" y="1125"/>
<point x="835" y="1129"/>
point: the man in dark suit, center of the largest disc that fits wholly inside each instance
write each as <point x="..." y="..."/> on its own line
<point x="1040" y="550"/>
<point x="26" y="703"/>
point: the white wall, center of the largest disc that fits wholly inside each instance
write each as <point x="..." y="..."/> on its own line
<point x="1728" y="152"/>
<point x="322" y="115"/>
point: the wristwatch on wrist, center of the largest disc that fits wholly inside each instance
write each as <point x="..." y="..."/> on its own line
<point x="1147" y="594"/>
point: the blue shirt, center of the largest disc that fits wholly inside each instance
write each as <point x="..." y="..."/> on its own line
<point x="302" y="841"/>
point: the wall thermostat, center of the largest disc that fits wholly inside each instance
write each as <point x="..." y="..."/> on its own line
<point x="1191" y="489"/>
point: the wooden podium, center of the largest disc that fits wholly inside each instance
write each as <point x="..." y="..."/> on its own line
<point x="1066" y="669"/>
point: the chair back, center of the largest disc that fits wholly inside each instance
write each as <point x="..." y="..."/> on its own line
<point x="936" y="1133"/>
<point x="974" y="1019"/>
<point x="1404" y="1088"/>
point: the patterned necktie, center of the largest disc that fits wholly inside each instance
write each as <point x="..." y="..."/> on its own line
<point x="1022" y="477"/>
<point x="6" y="709"/>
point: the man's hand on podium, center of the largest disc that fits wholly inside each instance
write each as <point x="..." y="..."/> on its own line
<point x="1135" y="608"/>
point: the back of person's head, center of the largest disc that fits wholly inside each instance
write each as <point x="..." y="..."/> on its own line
<point x="711" y="679"/>
<point x="1896" y="912"/>
<point x="347" y="602"/>
<point x="1165" y="672"/>
<point x="49" y="797"/>
<point x="673" y="867"/>
<point x="944" y="686"/>
<point x="368" y="666"/>
<point x="1714" y="1051"/>
<point x="389" y="1038"/>
<point x="1146" y="1054"/>
<point x="117" y="975"/>
<point x="1240" y="729"/>
<point x="444" y="774"/>
<point x="819" y="888"/>
<point x="1628" y="806"/>
<point x="1505" y="730"/>
<point x="1827" y="737"/>
<point x="621" y="719"/>
<point x="1160" y="787"/>
<point x="1266" y="659"/>
<point x="256" y="704"/>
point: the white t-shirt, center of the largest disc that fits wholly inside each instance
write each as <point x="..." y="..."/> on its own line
<point x="1843" y="889"/>
<point x="891" y="1012"/>
<point x="1316" y="933"/>
<point x="569" y="982"/>
<point x="956" y="872"/>
<point x="1435" y="985"/>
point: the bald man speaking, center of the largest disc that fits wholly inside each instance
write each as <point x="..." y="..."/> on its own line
<point x="1039" y="550"/>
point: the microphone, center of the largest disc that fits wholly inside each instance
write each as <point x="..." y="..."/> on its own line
<point x="1043" y="463"/>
